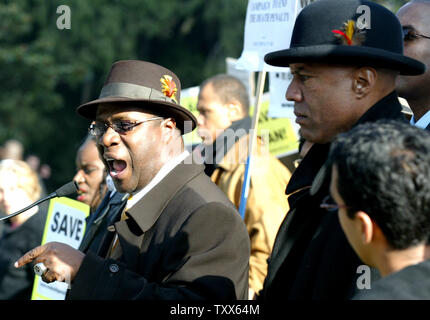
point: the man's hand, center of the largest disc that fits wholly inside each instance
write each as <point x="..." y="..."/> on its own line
<point x="62" y="261"/>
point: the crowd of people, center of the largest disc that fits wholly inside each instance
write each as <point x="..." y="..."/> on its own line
<point x="164" y="221"/>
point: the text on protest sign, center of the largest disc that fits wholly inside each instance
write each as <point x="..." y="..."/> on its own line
<point x="65" y="223"/>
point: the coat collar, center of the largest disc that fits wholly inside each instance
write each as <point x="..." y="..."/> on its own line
<point x="305" y="173"/>
<point x="214" y="153"/>
<point x="238" y="154"/>
<point x="146" y="212"/>
<point x="387" y="108"/>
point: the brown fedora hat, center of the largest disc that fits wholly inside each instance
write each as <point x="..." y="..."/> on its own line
<point x="144" y="84"/>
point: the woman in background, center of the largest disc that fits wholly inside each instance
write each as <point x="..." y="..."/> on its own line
<point x="90" y="174"/>
<point x="19" y="187"/>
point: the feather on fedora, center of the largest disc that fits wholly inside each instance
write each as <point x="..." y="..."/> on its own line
<point x="327" y="31"/>
<point x="144" y="84"/>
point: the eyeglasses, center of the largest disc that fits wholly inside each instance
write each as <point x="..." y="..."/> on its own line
<point x="98" y="129"/>
<point x="330" y="205"/>
<point x="411" y="34"/>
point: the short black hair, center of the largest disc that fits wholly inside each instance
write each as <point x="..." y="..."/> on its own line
<point x="229" y="89"/>
<point x="384" y="170"/>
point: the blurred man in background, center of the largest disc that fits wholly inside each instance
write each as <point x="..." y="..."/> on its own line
<point x="414" y="17"/>
<point x="12" y="149"/>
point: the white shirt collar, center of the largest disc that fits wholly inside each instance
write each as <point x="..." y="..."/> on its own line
<point x="423" y="122"/>
<point x="165" y="169"/>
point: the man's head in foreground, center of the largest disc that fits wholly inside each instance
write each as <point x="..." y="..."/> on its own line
<point x="381" y="188"/>
<point x="414" y="17"/>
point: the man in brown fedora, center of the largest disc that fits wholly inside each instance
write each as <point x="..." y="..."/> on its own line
<point x="179" y="237"/>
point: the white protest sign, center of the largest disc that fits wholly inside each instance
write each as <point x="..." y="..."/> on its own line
<point x="280" y="107"/>
<point x="247" y="77"/>
<point x="268" y="27"/>
<point x="65" y="223"/>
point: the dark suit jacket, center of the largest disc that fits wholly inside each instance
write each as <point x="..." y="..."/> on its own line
<point x="410" y="283"/>
<point x="311" y="257"/>
<point x="183" y="240"/>
<point x="17" y="283"/>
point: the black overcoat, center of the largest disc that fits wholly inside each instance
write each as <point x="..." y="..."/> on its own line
<point x="17" y="283"/>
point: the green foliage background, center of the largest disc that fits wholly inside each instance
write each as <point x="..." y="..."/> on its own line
<point x="45" y="73"/>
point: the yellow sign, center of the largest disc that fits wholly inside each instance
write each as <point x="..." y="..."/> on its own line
<point x="65" y="223"/>
<point x="283" y="138"/>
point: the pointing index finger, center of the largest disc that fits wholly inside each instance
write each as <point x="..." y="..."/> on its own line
<point x="30" y="256"/>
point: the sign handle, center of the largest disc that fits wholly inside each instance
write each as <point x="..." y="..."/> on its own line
<point x="253" y="136"/>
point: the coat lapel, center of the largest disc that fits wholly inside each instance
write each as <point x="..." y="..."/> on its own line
<point x="130" y="240"/>
<point x="298" y="189"/>
<point x="144" y="214"/>
<point x="102" y="213"/>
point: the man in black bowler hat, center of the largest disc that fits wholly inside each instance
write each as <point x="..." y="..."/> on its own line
<point x="345" y="56"/>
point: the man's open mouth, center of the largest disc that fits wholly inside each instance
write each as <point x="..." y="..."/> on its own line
<point x="116" y="167"/>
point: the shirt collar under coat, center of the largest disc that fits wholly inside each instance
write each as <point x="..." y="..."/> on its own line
<point x="312" y="171"/>
<point x="147" y="210"/>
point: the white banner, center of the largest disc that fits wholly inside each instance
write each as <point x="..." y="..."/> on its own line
<point x="247" y="77"/>
<point x="280" y="107"/>
<point x="268" y="27"/>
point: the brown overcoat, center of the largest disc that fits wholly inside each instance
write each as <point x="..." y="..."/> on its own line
<point x="184" y="240"/>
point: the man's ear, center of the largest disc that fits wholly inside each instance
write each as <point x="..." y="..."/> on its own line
<point x="364" y="79"/>
<point x="168" y="127"/>
<point x="234" y="111"/>
<point x="366" y="225"/>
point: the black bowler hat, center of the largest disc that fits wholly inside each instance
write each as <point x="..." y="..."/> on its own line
<point x="332" y="31"/>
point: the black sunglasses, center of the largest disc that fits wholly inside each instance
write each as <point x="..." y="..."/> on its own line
<point x="98" y="129"/>
<point x="411" y="34"/>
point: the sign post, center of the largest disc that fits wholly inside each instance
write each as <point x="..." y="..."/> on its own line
<point x="253" y="137"/>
